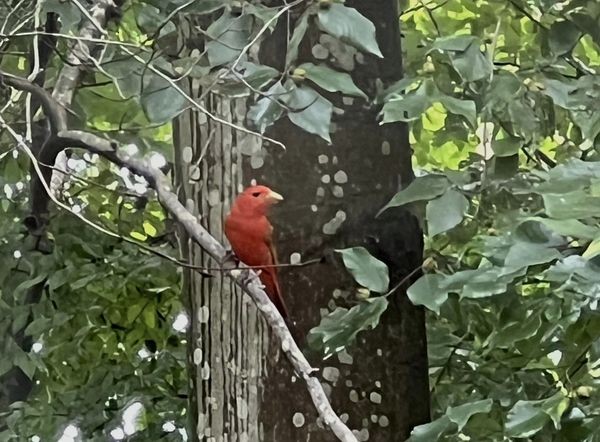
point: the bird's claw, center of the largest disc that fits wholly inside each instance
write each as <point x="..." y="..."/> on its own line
<point x="230" y="256"/>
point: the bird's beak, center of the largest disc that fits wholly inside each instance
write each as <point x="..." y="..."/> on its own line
<point x="274" y="197"/>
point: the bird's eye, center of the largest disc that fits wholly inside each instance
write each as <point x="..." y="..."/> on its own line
<point x="256" y="194"/>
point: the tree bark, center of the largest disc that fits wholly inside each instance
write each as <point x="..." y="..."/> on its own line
<point x="332" y="196"/>
<point x="226" y="336"/>
<point x="242" y="389"/>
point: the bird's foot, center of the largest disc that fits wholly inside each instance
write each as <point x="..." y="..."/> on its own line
<point x="230" y="256"/>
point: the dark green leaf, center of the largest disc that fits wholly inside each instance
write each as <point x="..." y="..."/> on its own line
<point x="427" y="291"/>
<point x="330" y="80"/>
<point x="367" y="270"/>
<point x="310" y="111"/>
<point x="340" y="327"/>
<point x="422" y="188"/>
<point x="349" y="26"/>
<point x="446" y="211"/>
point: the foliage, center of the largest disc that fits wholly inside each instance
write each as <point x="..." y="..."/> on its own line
<point x="107" y="332"/>
<point x="500" y="97"/>
<point x="501" y="101"/>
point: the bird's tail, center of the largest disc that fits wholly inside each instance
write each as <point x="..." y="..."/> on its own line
<point x="269" y="278"/>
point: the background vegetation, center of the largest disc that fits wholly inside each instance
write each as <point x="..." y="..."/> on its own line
<point x="502" y="101"/>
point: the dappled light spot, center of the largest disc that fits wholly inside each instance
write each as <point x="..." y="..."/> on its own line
<point x="386" y="148"/>
<point x="131" y="417"/>
<point x="345" y="358"/>
<point x="157" y="160"/>
<point x="323" y="159"/>
<point x="295" y="258"/>
<point x="320" y="52"/>
<point x="181" y="322"/>
<point x="205" y="372"/>
<point x="375" y="397"/>
<point x="340" y="177"/>
<point x="70" y="433"/>
<point x="298" y="419"/>
<point x="117" y="433"/>
<point x="332" y="226"/>
<point x="169" y="427"/>
<point x="203" y="314"/>
<point x="197" y="356"/>
<point x="362" y="435"/>
<point x="331" y="374"/>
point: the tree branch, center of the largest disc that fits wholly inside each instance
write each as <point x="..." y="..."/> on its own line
<point x="169" y="200"/>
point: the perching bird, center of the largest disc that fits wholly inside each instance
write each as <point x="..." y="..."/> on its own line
<point x="251" y="237"/>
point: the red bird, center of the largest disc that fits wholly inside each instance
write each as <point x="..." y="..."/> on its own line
<point x="251" y="237"/>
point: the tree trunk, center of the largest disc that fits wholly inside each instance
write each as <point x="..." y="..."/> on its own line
<point x="242" y="389"/>
<point x="227" y="338"/>
<point x="332" y="194"/>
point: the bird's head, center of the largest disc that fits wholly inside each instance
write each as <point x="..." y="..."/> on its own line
<point x="257" y="199"/>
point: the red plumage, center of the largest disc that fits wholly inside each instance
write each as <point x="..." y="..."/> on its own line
<point x="251" y="237"/>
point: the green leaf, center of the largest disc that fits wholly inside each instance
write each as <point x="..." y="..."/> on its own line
<point x="149" y="317"/>
<point x="367" y="270"/>
<point x="593" y="249"/>
<point x="472" y="65"/>
<point x="422" y="188"/>
<point x="430" y="432"/>
<point x="466" y="108"/>
<point x="427" y="291"/>
<point x="524" y="254"/>
<point x="350" y="26"/>
<point x="457" y="43"/>
<point x="160" y="101"/>
<point x="331" y="80"/>
<point x="466" y="57"/>
<point x="461" y="414"/>
<point x="297" y="36"/>
<point x="230" y="34"/>
<point x="563" y="36"/>
<point x="267" y="110"/>
<point x="566" y="227"/>
<point x="310" y="111"/>
<point x="446" y="212"/>
<point x="572" y="205"/>
<point x="555" y="407"/>
<point x="507" y="146"/>
<point x="340" y="327"/>
<point x="405" y="108"/>
<point x="525" y="419"/>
